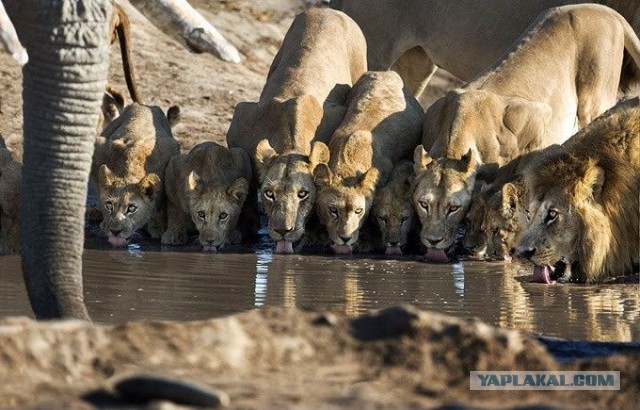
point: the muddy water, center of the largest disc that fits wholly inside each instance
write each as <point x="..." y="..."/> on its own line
<point x="159" y="284"/>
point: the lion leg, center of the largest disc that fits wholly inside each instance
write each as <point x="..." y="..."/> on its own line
<point x="157" y="221"/>
<point x="415" y="68"/>
<point x="178" y="222"/>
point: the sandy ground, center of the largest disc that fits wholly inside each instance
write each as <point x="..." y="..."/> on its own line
<point x="205" y="88"/>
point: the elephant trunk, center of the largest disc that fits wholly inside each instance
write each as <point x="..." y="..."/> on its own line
<point x="63" y="83"/>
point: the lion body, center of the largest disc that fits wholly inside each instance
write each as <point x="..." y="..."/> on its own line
<point x="415" y="37"/>
<point x="10" y="180"/>
<point x="584" y="204"/>
<point x="130" y="157"/>
<point x="321" y="57"/>
<point x="382" y="126"/>
<point x="206" y="191"/>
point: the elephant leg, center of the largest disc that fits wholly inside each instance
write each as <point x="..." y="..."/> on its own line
<point x="415" y="68"/>
<point x="63" y="83"/>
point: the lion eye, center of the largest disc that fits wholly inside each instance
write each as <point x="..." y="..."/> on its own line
<point x="302" y="194"/>
<point x="108" y="206"/>
<point x="453" y="208"/>
<point x="495" y="231"/>
<point x="358" y="211"/>
<point x="528" y="215"/>
<point x="132" y="209"/>
<point x="223" y="216"/>
<point x="269" y="194"/>
<point x="201" y="215"/>
<point x="333" y="210"/>
<point x="552" y="215"/>
<point x="424" y="205"/>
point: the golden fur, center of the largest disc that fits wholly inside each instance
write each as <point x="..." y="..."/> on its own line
<point x="413" y="37"/>
<point x="10" y="180"/>
<point x="584" y="205"/>
<point x="531" y="98"/>
<point x="206" y="190"/>
<point x="382" y="125"/>
<point x="392" y="210"/>
<point x="128" y="163"/>
<point x="322" y="55"/>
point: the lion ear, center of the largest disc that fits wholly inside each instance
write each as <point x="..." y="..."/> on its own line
<point x="150" y="186"/>
<point x="469" y="161"/>
<point x="105" y="176"/>
<point x="239" y="190"/>
<point x="193" y="180"/>
<point x="369" y="180"/>
<point x="421" y="159"/>
<point x="593" y="180"/>
<point x="322" y="175"/>
<point x="173" y="115"/>
<point x="264" y="156"/>
<point x="509" y="198"/>
<point x="319" y="154"/>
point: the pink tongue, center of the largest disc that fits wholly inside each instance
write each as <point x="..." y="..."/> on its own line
<point x="117" y="241"/>
<point x="542" y="274"/>
<point x="284" y="247"/>
<point x="436" y="255"/>
<point x="393" y="250"/>
<point x="209" y="248"/>
<point x="342" y="249"/>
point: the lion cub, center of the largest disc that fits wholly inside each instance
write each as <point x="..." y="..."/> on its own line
<point x="128" y="164"/>
<point x="393" y="211"/>
<point x="10" y="179"/>
<point x="382" y="126"/>
<point x="206" y="190"/>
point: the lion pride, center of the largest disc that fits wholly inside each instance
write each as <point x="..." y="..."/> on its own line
<point x="322" y="55"/>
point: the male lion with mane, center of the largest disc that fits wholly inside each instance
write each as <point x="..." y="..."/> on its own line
<point x="128" y="166"/>
<point x="206" y="190"/>
<point x="322" y="55"/>
<point x="584" y="205"/>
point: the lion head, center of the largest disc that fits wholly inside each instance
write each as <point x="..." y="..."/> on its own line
<point x="584" y="219"/>
<point x="441" y="195"/>
<point x="215" y="210"/>
<point x="126" y="205"/>
<point x="505" y="219"/>
<point x="393" y="211"/>
<point x="475" y="237"/>
<point x="343" y="204"/>
<point x="287" y="190"/>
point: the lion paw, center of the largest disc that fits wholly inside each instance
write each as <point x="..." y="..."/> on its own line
<point x="174" y="238"/>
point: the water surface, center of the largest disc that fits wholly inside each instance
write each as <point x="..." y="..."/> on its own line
<point x="163" y="284"/>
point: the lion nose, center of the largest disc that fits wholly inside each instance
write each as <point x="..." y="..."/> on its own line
<point x="283" y="232"/>
<point x="115" y="232"/>
<point x="526" y="252"/>
<point x="434" y="242"/>
<point x="345" y="239"/>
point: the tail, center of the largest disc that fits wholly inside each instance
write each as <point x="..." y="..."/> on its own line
<point x="123" y="29"/>
<point x="630" y="72"/>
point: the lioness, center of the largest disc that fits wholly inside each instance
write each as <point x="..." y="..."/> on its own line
<point x="382" y="125"/>
<point x="534" y="96"/>
<point x="10" y="179"/>
<point x="206" y="189"/>
<point x="413" y="37"/>
<point x="584" y="205"/>
<point x="393" y="211"/>
<point x="128" y="163"/>
<point x="322" y="55"/>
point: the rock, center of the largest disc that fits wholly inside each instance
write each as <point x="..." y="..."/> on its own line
<point x="150" y="387"/>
